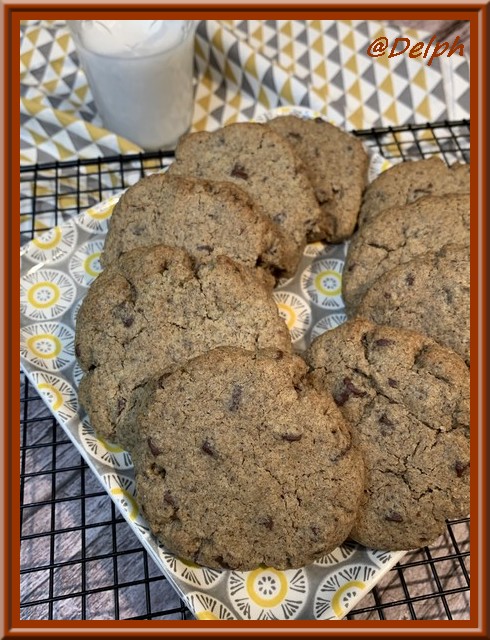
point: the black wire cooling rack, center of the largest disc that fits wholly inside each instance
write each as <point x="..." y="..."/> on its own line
<point x="79" y="558"/>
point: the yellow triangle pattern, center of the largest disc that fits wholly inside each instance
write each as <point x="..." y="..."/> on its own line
<point x="257" y="42"/>
<point x="287" y="92"/>
<point x="57" y="65"/>
<point x="33" y="35"/>
<point x="218" y="40"/>
<point x="228" y="72"/>
<point x="287" y="29"/>
<point x="351" y="64"/>
<point x="26" y="58"/>
<point x="355" y="90"/>
<point x="289" y="49"/>
<point x="423" y="109"/>
<point x="316" y="25"/>
<point x="263" y="99"/>
<point x="318" y="46"/>
<point x="258" y="34"/>
<point x="64" y="153"/>
<point x="387" y="86"/>
<point x="419" y="79"/>
<point x="349" y="41"/>
<point x="391" y="113"/>
<point x="250" y="66"/>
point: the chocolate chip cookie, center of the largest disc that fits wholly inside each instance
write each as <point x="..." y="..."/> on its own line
<point x="154" y="308"/>
<point x="407" y="401"/>
<point x="239" y="462"/>
<point x="336" y="164"/>
<point x="204" y="218"/>
<point x="408" y="181"/>
<point x="262" y="163"/>
<point x="430" y="294"/>
<point x="400" y="234"/>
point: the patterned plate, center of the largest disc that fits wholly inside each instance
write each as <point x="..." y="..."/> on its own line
<point x="57" y="268"/>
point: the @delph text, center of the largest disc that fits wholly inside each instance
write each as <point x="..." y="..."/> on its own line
<point x="380" y="46"/>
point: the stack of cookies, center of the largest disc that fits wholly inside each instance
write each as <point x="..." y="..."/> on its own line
<point x="248" y="454"/>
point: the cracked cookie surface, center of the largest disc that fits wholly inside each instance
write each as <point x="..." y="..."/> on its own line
<point x="336" y="164"/>
<point x="205" y="218"/>
<point x="239" y="462"/>
<point x="406" y="399"/>
<point x="154" y="308"/>
<point x="430" y="294"/>
<point x="400" y="234"/>
<point x="408" y="181"/>
<point x="264" y="165"/>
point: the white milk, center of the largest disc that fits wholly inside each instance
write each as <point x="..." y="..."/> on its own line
<point x="140" y="73"/>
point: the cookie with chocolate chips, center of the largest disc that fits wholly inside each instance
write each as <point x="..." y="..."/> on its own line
<point x="399" y="235"/>
<point x="205" y="218"/>
<point x="409" y="181"/>
<point x="336" y="164"/>
<point x="264" y="165"/>
<point x="407" y="401"/>
<point x="153" y="309"/>
<point x="430" y="294"/>
<point x="240" y="462"/>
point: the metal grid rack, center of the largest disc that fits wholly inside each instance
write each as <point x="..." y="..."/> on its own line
<point x="79" y="559"/>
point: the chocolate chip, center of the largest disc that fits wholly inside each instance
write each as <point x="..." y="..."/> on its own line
<point x="121" y="403"/>
<point x="266" y="521"/>
<point x="410" y="279"/>
<point x="78" y="352"/>
<point x="315" y="531"/>
<point x="341" y="398"/>
<point x="208" y="448"/>
<point x="124" y="312"/>
<point x="236" y="395"/>
<point x="393" y="383"/>
<point x="388" y="425"/>
<point x="383" y="342"/>
<point x="159" y="471"/>
<point x="205" y="247"/>
<point x="162" y="378"/>
<point x="387" y="295"/>
<point x="238" y="171"/>
<point x="394" y="516"/>
<point x="353" y="389"/>
<point x="294" y="135"/>
<point x="169" y="499"/>
<point x="460" y="467"/>
<point x="222" y="563"/>
<point x="292" y="437"/>
<point x="279" y="217"/>
<point x="318" y="119"/>
<point x="139" y="230"/>
<point x="449" y="295"/>
<point x="278" y="355"/>
<point x="156" y="451"/>
<point x="349" y="390"/>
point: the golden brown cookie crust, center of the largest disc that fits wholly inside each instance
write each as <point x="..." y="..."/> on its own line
<point x="155" y="308"/>
<point x="409" y="181"/>
<point x="239" y="463"/>
<point x="400" y="234"/>
<point x="407" y="401"/>
<point x="336" y="164"/>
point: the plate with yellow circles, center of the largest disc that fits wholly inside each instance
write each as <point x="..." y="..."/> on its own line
<point x="57" y="269"/>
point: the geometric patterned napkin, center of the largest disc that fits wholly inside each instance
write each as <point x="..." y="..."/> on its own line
<point x="243" y="68"/>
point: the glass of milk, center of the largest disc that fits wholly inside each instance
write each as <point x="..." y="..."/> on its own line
<point x="141" y="76"/>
